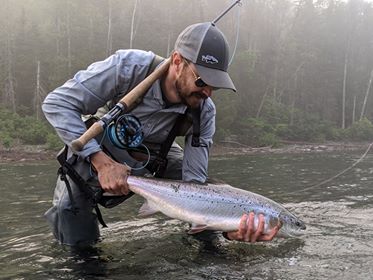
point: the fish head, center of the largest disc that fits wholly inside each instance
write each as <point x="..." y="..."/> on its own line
<point x="291" y="225"/>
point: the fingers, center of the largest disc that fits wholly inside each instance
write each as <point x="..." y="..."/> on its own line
<point x="271" y="234"/>
<point x="247" y="232"/>
<point x="114" y="179"/>
<point x="241" y="233"/>
<point x="120" y="184"/>
<point x="250" y="227"/>
<point x="242" y="228"/>
<point x="260" y="230"/>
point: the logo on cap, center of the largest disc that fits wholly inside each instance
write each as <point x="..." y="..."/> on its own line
<point x="209" y="59"/>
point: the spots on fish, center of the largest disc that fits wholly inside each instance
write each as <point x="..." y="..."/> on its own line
<point x="213" y="198"/>
<point x="176" y="187"/>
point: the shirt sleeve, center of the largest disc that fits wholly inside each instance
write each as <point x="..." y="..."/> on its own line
<point x="91" y="89"/>
<point x="195" y="161"/>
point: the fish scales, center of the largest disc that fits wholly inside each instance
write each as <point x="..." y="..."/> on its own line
<point x="210" y="206"/>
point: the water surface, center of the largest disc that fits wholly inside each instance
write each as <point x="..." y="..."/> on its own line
<point x="337" y="244"/>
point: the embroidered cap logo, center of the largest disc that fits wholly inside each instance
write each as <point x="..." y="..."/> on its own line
<point x="209" y="59"/>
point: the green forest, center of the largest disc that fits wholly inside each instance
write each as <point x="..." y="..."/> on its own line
<point x="303" y="69"/>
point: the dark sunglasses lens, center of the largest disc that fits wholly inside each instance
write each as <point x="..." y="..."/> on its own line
<point x="200" y="83"/>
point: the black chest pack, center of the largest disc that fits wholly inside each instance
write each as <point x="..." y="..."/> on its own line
<point x="124" y="135"/>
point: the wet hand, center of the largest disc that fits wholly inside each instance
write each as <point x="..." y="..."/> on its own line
<point x="247" y="232"/>
<point x="111" y="174"/>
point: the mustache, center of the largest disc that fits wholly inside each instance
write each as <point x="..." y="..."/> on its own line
<point x="199" y="94"/>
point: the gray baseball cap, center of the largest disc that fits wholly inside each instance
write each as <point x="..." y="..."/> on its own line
<point x="206" y="46"/>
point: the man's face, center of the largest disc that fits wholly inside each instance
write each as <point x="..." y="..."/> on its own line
<point x="186" y="85"/>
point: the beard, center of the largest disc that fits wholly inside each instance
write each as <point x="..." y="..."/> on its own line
<point x="191" y="99"/>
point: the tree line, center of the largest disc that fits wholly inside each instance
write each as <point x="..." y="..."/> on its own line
<point x="303" y="69"/>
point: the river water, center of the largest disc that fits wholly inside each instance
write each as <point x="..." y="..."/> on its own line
<point x="338" y="242"/>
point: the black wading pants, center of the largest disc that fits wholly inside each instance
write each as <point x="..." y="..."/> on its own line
<point x="77" y="224"/>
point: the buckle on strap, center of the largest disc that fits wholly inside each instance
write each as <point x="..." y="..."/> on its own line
<point x="196" y="141"/>
<point x="158" y="166"/>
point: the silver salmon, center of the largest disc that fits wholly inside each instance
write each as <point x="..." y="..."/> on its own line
<point x="211" y="206"/>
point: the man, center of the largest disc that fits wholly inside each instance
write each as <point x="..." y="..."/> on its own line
<point x="198" y="65"/>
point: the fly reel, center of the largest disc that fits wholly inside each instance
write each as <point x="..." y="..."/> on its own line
<point x="126" y="132"/>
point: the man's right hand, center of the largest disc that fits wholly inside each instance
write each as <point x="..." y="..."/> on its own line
<point x="111" y="174"/>
<point x="248" y="233"/>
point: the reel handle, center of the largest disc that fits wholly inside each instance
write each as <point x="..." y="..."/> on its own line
<point x="122" y="106"/>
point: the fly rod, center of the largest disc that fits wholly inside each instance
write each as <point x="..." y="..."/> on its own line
<point x="224" y="12"/>
<point x="129" y="99"/>
<point x="121" y="107"/>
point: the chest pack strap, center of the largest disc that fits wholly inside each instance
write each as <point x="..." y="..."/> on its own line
<point x="196" y="117"/>
<point x="181" y="126"/>
<point x="159" y="164"/>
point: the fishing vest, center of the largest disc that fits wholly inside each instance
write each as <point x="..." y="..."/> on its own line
<point x="182" y="124"/>
<point x="80" y="171"/>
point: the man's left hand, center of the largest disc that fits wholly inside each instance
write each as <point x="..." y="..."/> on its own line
<point x="247" y="232"/>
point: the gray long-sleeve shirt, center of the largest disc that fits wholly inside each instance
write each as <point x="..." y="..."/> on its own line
<point x="107" y="80"/>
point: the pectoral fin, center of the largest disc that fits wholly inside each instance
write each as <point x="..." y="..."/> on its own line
<point x="197" y="228"/>
<point x="147" y="210"/>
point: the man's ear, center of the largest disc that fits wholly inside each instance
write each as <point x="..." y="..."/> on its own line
<point x="177" y="60"/>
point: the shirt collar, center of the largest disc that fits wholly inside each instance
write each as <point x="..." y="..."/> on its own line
<point x="157" y="93"/>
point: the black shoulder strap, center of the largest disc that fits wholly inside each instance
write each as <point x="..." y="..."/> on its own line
<point x="159" y="164"/>
<point x="181" y="125"/>
<point x="155" y="62"/>
<point x="196" y="116"/>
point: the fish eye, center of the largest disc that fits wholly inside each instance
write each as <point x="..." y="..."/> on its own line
<point x="298" y="224"/>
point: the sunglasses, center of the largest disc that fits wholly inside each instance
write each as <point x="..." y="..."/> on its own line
<point x="198" y="80"/>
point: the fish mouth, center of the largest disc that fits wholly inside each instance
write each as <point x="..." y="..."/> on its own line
<point x="291" y="231"/>
<point x="291" y="226"/>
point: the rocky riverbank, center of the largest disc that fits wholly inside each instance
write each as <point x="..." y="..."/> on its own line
<point x="288" y="147"/>
<point x="41" y="153"/>
<point x="26" y="154"/>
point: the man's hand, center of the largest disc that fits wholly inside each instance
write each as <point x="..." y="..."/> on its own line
<point x="111" y="174"/>
<point x="247" y="232"/>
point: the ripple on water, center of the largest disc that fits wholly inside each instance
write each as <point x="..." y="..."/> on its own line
<point x="337" y="243"/>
